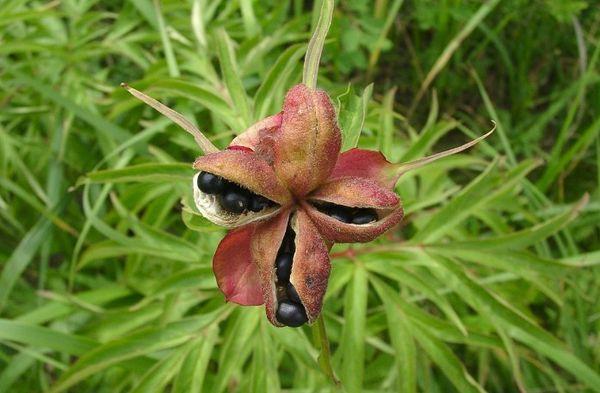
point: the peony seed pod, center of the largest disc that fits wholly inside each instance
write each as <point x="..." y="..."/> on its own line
<point x="287" y="195"/>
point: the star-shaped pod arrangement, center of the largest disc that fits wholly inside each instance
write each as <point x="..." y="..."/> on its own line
<point x="287" y="194"/>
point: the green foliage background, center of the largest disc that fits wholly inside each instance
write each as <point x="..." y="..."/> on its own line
<point x="491" y="282"/>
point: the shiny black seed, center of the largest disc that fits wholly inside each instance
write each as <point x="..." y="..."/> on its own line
<point x="364" y="216"/>
<point x="258" y="203"/>
<point x="340" y="213"/>
<point x="283" y="263"/>
<point x="293" y="294"/>
<point x="234" y="200"/>
<point x="209" y="183"/>
<point x="291" y="314"/>
<point x="288" y="244"/>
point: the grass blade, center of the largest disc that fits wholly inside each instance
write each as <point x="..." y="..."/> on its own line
<point x="232" y="77"/>
<point x="452" y="46"/>
<point x="138" y="344"/>
<point x="352" y="344"/>
<point x="352" y="111"/>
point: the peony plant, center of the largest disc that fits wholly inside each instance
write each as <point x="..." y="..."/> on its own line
<point x="287" y="194"/>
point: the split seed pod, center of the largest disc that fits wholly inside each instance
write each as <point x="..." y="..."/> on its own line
<point x="309" y="196"/>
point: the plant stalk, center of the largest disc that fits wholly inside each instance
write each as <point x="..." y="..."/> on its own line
<point x="322" y="341"/>
<point x="315" y="46"/>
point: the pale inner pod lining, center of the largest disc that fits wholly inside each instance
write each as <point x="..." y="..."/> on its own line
<point x="211" y="209"/>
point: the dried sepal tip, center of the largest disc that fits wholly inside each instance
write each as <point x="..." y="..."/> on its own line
<point x="404" y="167"/>
<point x="203" y="142"/>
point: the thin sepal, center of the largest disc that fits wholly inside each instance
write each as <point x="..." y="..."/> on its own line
<point x="203" y="142"/>
<point x="405" y="167"/>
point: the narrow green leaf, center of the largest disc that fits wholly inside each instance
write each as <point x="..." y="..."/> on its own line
<point x="508" y="150"/>
<point x="19" y="365"/>
<point x="452" y="46"/>
<point x="447" y="361"/>
<point x="98" y="122"/>
<point x="43" y="337"/>
<point x="236" y="348"/>
<point x="391" y="12"/>
<point x="526" y="237"/>
<point x="21" y="257"/>
<point x="157" y="377"/>
<point x="146" y="9"/>
<point x="516" y="325"/>
<point x="166" y="41"/>
<point x="264" y="375"/>
<point x="138" y="344"/>
<point x="275" y="79"/>
<point x="428" y="137"/>
<point x="190" y="378"/>
<point x="205" y="96"/>
<point x="197" y="222"/>
<point x="401" y="337"/>
<point x="352" y="343"/>
<point x="415" y="282"/>
<point x="352" y="110"/>
<point x="295" y="342"/>
<point x="583" y="142"/>
<point x="487" y="186"/>
<point x="251" y="25"/>
<point x="439" y="352"/>
<point x="55" y="309"/>
<point x="144" y="173"/>
<point x="232" y="77"/>
<point x="387" y="128"/>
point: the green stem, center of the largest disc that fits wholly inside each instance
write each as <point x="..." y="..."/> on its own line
<point x="166" y="41"/>
<point x="315" y="46"/>
<point x="321" y="340"/>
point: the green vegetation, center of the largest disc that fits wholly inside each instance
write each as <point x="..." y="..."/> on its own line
<point x="490" y="284"/>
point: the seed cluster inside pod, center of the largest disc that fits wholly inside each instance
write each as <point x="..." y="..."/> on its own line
<point x="348" y="215"/>
<point x="290" y="311"/>
<point x="232" y="197"/>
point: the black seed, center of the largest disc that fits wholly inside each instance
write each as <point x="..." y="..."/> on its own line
<point x="288" y="244"/>
<point x="340" y="213"/>
<point x="234" y="200"/>
<point x="291" y="314"/>
<point x="293" y="294"/>
<point x="209" y="183"/>
<point x="283" y="263"/>
<point x="258" y="203"/>
<point x="364" y="216"/>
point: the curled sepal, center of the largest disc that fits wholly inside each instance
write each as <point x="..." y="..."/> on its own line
<point x="247" y="170"/>
<point x="311" y="267"/>
<point x="266" y="239"/>
<point x="365" y="164"/>
<point x="355" y="192"/>
<point x="373" y="165"/>
<point x="235" y="271"/>
<point x="351" y="193"/>
<point x="260" y="137"/>
<point x="309" y="140"/>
